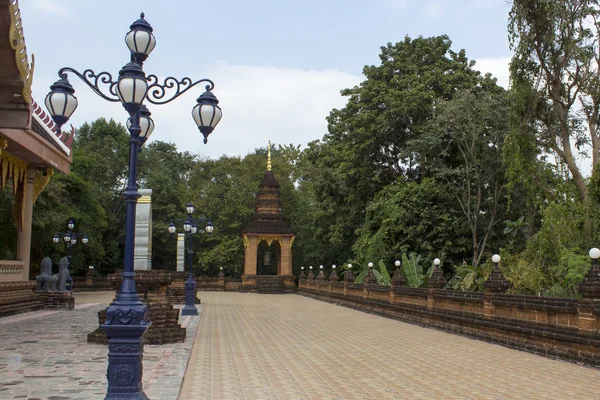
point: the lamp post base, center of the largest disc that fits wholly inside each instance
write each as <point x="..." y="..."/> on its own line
<point x="126" y="323"/>
<point x="190" y="297"/>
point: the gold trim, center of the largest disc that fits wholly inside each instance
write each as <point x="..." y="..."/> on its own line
<point x="180" y="237"/>
<point x="144" y="200"/>
<point x="41" y="180"/>
<point x="246" y="241"/>
<point x="269" y="157"/>
<point x="17" y="42"/>
<point x="292" y="241"/>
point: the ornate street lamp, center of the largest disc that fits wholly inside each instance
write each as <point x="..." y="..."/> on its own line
<point x="190" y="226"/>
<point x="127" y="317"/>
<point x="70" y="239"/>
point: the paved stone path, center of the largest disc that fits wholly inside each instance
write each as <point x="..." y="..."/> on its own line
<point x="253" y="346"/>
<point x="44" y="355"/>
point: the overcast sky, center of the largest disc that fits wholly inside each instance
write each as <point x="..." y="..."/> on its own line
<point x="278" y="65"/>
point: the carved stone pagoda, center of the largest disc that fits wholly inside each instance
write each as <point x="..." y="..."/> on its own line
<point x="268" y="241"/>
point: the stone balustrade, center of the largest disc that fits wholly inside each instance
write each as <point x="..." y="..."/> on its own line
<point x="11" y="270"/>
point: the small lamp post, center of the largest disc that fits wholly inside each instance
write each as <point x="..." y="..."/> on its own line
<point x="70" y="239"/>
<point x="190" y="227"/>
<point x="127" y="317"/>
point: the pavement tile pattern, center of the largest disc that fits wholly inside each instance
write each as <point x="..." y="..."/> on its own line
<point x="251" y="346"/>
<point x="44" y="355"/>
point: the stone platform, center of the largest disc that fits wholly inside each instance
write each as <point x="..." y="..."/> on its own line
<point x="152" y="289"/>
<point x="44" y="355"/>
<point x="56" y="300"/>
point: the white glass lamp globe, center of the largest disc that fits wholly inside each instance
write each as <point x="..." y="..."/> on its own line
<point x="302" y="268"/>
<point x="310" y="267"/>
<point x="398" y="263"/>
<point x="320" y="266"/>
<point x="496" y="258"/>
<point x="370" y="265"/>
<point x="437" y="261"/>
<point x="350" y="266"/>
<point x="333" y="266"/>
<point x="595" y="253"/>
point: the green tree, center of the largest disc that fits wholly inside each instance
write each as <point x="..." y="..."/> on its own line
<point x="555" y="74"/>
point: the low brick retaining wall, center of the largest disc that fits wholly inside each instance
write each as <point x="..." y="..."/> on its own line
<point x="563" y="328"/>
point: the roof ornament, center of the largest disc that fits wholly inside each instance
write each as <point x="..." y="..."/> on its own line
<point x="269" y="156"/>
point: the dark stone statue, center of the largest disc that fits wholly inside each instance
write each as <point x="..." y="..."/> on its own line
<point x="45" y="280"/>
<point x="63" y="274"/>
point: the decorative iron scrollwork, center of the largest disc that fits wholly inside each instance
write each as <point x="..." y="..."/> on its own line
<point x="94" y="81"/>
<point x="171" y="88"/>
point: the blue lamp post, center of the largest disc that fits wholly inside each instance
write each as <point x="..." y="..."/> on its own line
<point x="70" y="238"/>
<point x="127" y="317"/>
<point x="190" y="226"/>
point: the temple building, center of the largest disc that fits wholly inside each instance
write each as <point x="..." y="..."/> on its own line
<point x="31" y="150"/>
<point x="268" y="241"/>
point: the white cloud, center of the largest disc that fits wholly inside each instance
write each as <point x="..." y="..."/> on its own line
<point x="498" y="67"/>
<point x="434" y="10"/>
<point x="283" y="105"/>
<point x="52" y="7"/>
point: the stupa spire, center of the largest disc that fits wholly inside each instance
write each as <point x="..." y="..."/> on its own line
<point x="269" y="156"/>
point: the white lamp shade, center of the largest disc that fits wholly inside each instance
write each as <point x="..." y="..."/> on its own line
<point x="172" y="228"/>
<point x="209" y="227"/>
<point x="496" y="258"/>
<point x="73" y="240"/>
<point x="85" y="240"/>
<point x="67" y="238"/>
<point x="146" y="125"/>
<point x="397" y="263"/>
<point x="349" y="265"/>
<point x="140" y="41"/>
<point x="71" y="224"/>
<point x="302" y="268"/>
<point x="320" y="266"/>
<point x="56" y="239"/>
<point x="310" y="267"/>
<point x="207" y="115"/>
<point x="370" y="265"/>
<point x="437" y="261"/>
<point x="132" y="90"/>
<point x="333" y="266"/>
<point x="594" y="253"/>
<point x="190" y="208"/>
<point x="61" y="104"/>
<point x="194" y="229"/>
<point x="187" y="226"/>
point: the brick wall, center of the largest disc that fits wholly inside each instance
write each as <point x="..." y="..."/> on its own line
<point x="562" y="328"/>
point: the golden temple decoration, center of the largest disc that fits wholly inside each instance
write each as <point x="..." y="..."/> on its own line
<point x="292" y="241"/>
<point x="3" y="145"/>
<point x="12" y="167"/>
<point x="246" y="241"/>
<point x="17" y="42"/>
<point x="41" y="180"/>
<point x="269" y="156"/>
<point x="144" y="200"/>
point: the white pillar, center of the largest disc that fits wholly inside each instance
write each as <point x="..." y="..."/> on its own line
<point x="180" y="251"/>
<point x="142" y="257"/>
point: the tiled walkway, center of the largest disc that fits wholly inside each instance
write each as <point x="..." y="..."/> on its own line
<point x="253" y="346"/>
<point x="44" y="355"/>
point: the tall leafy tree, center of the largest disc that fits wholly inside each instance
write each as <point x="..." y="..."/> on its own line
<point x="556" y="79"/>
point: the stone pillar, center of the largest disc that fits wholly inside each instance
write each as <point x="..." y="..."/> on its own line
<point x="24" y="248"/>
<point x="142" y="259"/>
<point x="250" y="255"/>
<point x="180" y="252"/>
<point x="286" y="256"/>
